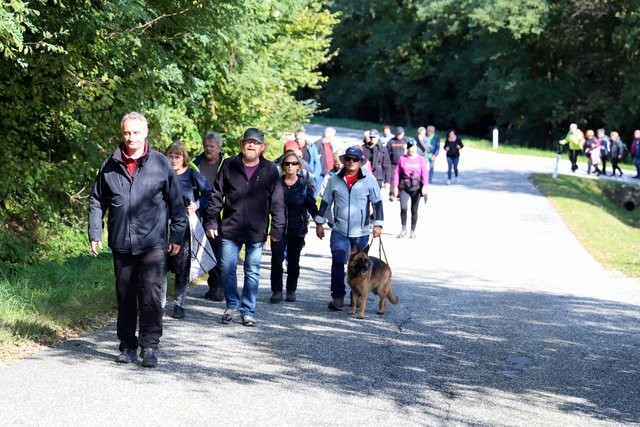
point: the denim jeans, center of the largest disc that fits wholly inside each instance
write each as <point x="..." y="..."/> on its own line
<point x="253" y="254"/>
<point x="452" y="162"/>
<point x="432" y="161"/>
<point x="340" y="251"/>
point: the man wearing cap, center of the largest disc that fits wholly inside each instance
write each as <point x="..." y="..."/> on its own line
<point x="208" y="164"/>
<point x="378" y="158"/>
<point x="396" y="146"/>
<point x="351" y="194"/>
<point x="248" y="195"/>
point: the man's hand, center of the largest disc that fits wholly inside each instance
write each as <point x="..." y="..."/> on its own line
<point x="173" y="249"/>
<point x="377" y="231"/>
<point x="212" y="233"/>
<point x="93" y="247"/>
<point x="320" y="231"/>
<point x="424" y="191"/>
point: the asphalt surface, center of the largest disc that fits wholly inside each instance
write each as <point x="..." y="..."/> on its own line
<point x="503" y="319"/>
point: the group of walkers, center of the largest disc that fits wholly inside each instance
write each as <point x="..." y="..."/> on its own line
<point x="152" y="202"/>
<point x="598" y="148"/>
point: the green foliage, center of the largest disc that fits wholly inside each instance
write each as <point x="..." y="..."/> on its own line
<point x="528" y="67"/>
<point x="70" y="70"/>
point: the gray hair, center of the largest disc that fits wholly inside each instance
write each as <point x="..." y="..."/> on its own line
<point x="134" y="116"/>
<point x="431" y="128"/>
<point x="329" y="133"/>
<point x="212" y="136"/>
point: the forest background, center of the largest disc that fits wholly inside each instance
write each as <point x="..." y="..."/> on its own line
<point x="70" y="69"/>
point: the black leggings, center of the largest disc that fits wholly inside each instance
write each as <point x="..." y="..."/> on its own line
<point x="404" y="204"/>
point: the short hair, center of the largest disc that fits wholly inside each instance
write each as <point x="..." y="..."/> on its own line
<point x="329" y="132"/>
<point x="430" y="127"/>
<point x="601" y="130"/>
<point x="589" y="133"/>
<point x="212" y="136"/>
<point x="287" y="154"/>
<point x="177" y="147"/>
<point x="422" y="129"/>
<point x="134" y="115"/>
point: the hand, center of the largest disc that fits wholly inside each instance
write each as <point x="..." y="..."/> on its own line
<point x="93" y="245"/>
<point x="212" y="233"/>
<point x="395" y="192"/>
<point x="377" y="231"/>
<point x="173" y="249"/>
<point x="424" y="191"/>
<point x="320" y="231"/>
<point x="192" y="208"/>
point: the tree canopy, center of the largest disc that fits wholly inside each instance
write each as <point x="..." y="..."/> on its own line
<point x="528" y="67"/>
<point x="70" y="69"/>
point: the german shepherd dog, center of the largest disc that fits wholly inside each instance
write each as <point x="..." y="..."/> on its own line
<point x="366" y="273"/>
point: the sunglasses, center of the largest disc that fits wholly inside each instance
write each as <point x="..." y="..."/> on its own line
<point x="291" y="163"/>
<point x="351" y="159"/>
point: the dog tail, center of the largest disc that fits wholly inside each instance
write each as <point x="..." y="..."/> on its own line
<point x="392" y="297"/>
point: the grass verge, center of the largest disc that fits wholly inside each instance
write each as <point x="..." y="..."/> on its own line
<point x="593" y="211"/>
<point x="45" y="303"/>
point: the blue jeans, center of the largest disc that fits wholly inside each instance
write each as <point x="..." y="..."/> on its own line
<point x="432" y="161"/>
<point x="340" y="251"/>
<point x="229" y="264"/>
<point x="452" y="162"/>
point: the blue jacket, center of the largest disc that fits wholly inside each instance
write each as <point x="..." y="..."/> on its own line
<point x="139" y="206"/>
<point x="351" y="208"/>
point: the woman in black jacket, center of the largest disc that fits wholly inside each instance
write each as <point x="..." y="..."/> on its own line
<point x="452" y="146"/>
<point x="299" y="202"/>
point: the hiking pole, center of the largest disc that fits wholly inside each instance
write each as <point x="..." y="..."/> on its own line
<point x="558" y="155"/>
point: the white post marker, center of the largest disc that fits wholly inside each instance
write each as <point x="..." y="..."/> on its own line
<point x="495" y="138"/>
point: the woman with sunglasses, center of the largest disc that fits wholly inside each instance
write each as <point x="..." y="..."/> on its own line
<point x="298" y="190"/>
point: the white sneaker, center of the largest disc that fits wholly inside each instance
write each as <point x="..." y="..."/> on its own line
<point x="448" y="182"/>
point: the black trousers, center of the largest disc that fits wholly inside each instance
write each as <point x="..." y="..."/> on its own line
<point x="138" y="281"/>
<point x="215" y="274"/>
<point x="293" y="245"/>
<point x="404" y="204"/>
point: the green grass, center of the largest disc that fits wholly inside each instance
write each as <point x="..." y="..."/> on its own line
<point x="593" y="211"/>
<point x="45" y="303"/>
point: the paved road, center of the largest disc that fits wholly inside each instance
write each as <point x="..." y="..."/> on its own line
<point x="504" y="319"/>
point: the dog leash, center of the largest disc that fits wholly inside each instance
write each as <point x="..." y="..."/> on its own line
<point x="381" y="250"/>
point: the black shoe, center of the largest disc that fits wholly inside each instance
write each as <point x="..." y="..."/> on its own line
<point x="128" y="355"/>
<point x="215" y="294"/>
<point x="178" y="312"/>
<point x="337" y="304"/>
<point x="149" y="358"/>
<point x="291" y="296"/>
<point x="276" y="298"/>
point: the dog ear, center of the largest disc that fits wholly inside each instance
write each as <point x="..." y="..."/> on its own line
<point x="366" y="250"/>
<point x="355" y="249"/>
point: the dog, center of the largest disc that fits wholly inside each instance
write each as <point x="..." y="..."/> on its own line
<point x="366" y="273"/>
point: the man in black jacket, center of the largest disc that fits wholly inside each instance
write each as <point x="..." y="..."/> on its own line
<point x="248" y="194"/>
<point x="139" y="189"/>
<point x="378" y="158"/>
<point x="396" y="147"/>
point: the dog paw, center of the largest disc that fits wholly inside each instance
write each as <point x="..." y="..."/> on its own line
<point x="380" y="313"/>
<point x="360" y="317"/>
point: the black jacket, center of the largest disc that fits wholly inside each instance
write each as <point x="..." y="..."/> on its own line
<point x="139" y="206"/>
<point x="378" y="156"/>
<point x="299" y="201"/>
<point x="451" y="147"/>
<point x="396" y="148"/>
<point x="246" y="204"/>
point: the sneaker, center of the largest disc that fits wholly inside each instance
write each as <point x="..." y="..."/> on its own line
<point x="276" y="298"/>
<point x="248" y="320"/>
<point x="448" y="182"/>
<point x="337" y="304"/>
<point x="402" y="234"/>
<point x="128" y="355"/>
<point x="149" y="358"/>
<point x="291" y="296"/>
<point x="412" y="235"/>
<point x="455" y="180"/>
<point x="228" y="315"/>
<point x="391" y="198"/>
<point x="178" y="312"/>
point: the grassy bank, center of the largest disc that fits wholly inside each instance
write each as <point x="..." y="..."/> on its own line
<point x="45" y="303"/>
<point x="592" y="209"/>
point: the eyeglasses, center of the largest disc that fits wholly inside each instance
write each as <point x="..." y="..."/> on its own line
<point x="291" y="163"/>
<point x="351" y="159"/>
<point x="254" y="141"/>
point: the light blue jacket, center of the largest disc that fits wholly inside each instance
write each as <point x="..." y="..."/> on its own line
<point x="351" y="208"/>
